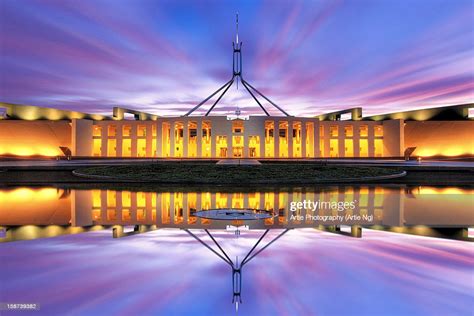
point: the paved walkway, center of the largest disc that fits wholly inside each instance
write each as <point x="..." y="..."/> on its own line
<point x="239" y="162"/>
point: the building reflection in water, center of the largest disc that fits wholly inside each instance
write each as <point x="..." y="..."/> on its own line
<point x="81" y="210"/>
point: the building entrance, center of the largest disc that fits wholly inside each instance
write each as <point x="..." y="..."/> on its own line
<point x="237" y="152"/>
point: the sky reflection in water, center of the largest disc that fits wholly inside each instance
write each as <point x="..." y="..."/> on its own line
<point x="305" y="272"/>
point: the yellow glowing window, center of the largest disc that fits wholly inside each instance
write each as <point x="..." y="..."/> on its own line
<point x="237" y="127"/>
<point x="165" y="208"/>
<point x="363" y="131"/>
<point x="141" y="147"/>
<point x="378" y="147"/>
<point x="127" y="148"/>
<point x="348" y="148"/>
<point x="205" y="200"/>
<point x="126" y="215"/>
<point x="111" y="198"/>
<point x="221" y="200"/>
<point x="97" y="147"/>
<point x="321" y="131"/>
<point x="153" y="200"/>
<point x="363" y="148"/>
<point x="333" y="148"/>
<point x="126" y="130"/>
<point x="96" y="131"/>
<point x="126" y="199"/>
<point x="254" y="146"/>
<point x="96" y="214"/>
<point x="206" y="130"/>
<point x="378" y="129"/>
<point x="141" y="131"/>
<point x="238" y="140"/>
<point x="254" y="200"/>
<point x="333" y="131"/>
<point x="153" y="130"/>
<point x="96" y="199"/>
<point x="111" y="215"/>
<point x="112" y="130"/>
<point x="111" y="147"/>
<point x="141" y="214"/>
<point x="141" y="199"/>
<point x="348" y="131"/>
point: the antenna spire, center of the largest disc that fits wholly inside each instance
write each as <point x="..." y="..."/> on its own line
<point x="237" y="28"/>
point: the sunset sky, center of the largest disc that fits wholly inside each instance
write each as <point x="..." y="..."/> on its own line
<point x="309" y="57"/>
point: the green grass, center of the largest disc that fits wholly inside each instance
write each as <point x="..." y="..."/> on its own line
<point x="235" y="174"/>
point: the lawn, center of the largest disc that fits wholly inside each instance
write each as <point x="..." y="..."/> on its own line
<point x="236" y="174"/>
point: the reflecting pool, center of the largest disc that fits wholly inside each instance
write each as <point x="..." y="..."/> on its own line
<point x="161" y="261"/>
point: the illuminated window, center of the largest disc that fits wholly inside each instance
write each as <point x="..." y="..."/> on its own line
<point x="111" y="198"/>
<point x="141" y="131"/>
<point x="111" y="147"/>
<point x="283" y="139"/>
<point x="166" y="208"/>
<point x="254" y="146"/>
<point x="321" y="131"/>
<point x="192" y="139"/>
<point x="127" y="148"/>
<point x="221" y="200"/>
<point x="269" y="141"/>
<point x="348" y="148"/>
<point x="153" y="130"/>
<point x="126" y="130"/>
<point x="126" y="215"/>
<point x="363" y="131"/>
<point x="141" y="147"/>
<point x="126" y="199"/>
<point x="112" y="130"/>
<point x="309" y="140"/>
<point x="221" y="146"/>
<point x="237" y="127"/>
<point x="96" y="214"/>
<point x="96" y="131"/>
<point x="363" y="148"/>
<point x="96" y="199"/>
<point x="348" y="131"/>
<point x="141" y="214"/>
<point x="378" y="129"/>
<point x="97" y="147"/>
<point x="378" y="147"/>
<point x="321" y="147"/>
<point x="333" y="131"/>
<point x="254" y="200"/>
<point x="111" y="215"/>
<point x="141" y="199"/>
<point x="178" y="139"/>
<point x="333" y="148"/>
<point x="165" y="135"/>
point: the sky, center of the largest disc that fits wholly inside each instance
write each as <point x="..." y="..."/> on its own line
<point x="309" y="57"/>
